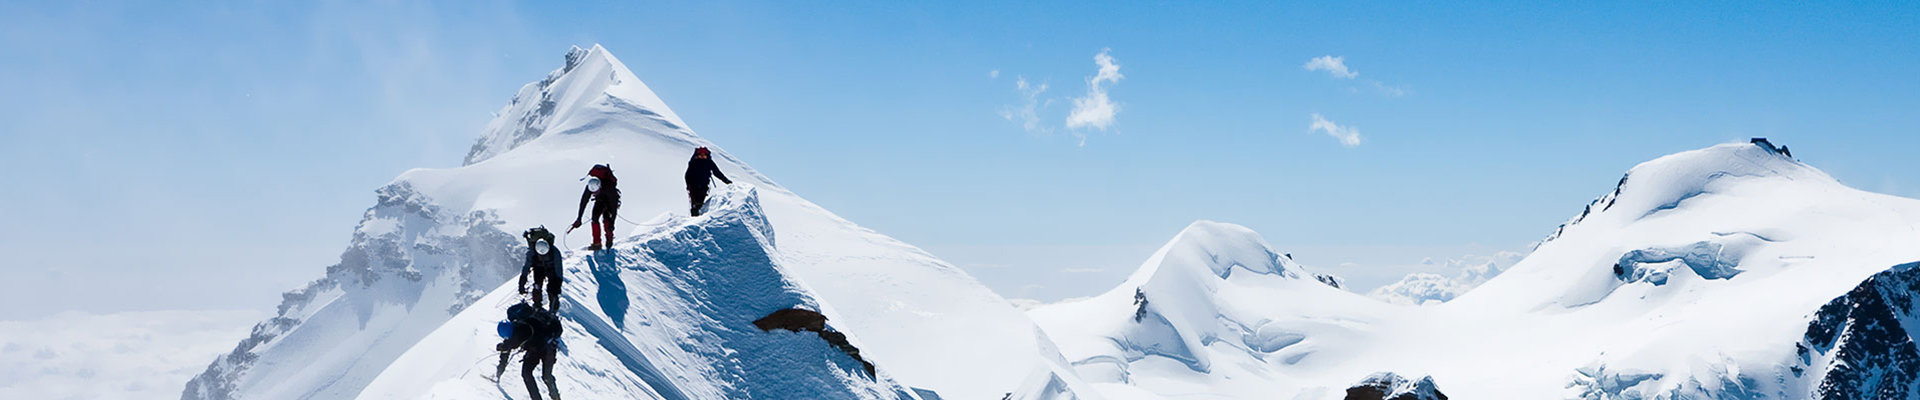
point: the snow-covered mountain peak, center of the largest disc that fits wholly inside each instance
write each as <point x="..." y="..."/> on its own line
<point x="590" y="77"/>
<point x="1663" y="183"/>
<point x="440" y="239"/>
<point x="1213" y="306"/>
<point x="1216" y="249"/>
<point x="1694" y="278"/>
<point x="1670" y="182"/>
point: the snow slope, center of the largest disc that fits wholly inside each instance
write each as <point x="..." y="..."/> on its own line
<point x="1224" y="314"/>
<point x="1725" y="255"/>
<point x="441" y="239"/>
<point x="666" y="315"/>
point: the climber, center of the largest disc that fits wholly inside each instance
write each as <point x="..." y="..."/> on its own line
<point x="700" y="173"/>
<point x="543" y="262"/>
<point x="602" y="189"/>
<point x="538" y="332"/>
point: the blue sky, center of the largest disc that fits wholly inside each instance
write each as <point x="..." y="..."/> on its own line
<point x="213" y="155"/>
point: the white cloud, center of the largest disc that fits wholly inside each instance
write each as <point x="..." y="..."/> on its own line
<point x="1419" y="288"/>
<point x="1426" y="288"/>
<point x="1081" y="270"/>
<point x="1336" y="66"/>
<point x="1096" y="110"/>
<point x="132" y="355"/>
<point x="993" y="74"/>
<point x="1348" y="136"/>
<point x="1026" y="304"/>
<point x="1475" y="270"/>
<point x="1028" y="113"/>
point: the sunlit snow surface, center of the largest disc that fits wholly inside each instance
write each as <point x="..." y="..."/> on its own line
<point x="1726" y="253"/>
<point x="667" y="314"/>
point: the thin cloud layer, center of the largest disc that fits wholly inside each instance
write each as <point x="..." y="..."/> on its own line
<point x="1028" y="113"/>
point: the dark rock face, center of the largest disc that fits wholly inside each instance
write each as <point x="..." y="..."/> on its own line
<point x="1391" y="386"/>
<point x="1331" y="280"/>
<point x="802" y="320"/>
<point x="1858" y="346"/>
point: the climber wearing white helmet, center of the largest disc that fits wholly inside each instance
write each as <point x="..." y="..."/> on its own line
<point x="543" y="262"/>
<point x="604" y="190"/>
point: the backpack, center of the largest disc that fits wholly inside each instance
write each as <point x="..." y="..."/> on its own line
<point x="543" y="325"/>
<point x="546" y="327"/>
<point x="605" y="173"/>
<point x="538" y="233"/>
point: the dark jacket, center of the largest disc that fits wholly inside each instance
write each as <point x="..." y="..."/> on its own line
<point x="541" y="267"/>
<point x="700" y="173"/>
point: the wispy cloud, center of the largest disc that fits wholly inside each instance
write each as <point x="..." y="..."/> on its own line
<point x="1388" y="90"/>
<point x="1348" y="136"/>
<point x="1336" y="66"/>
<point x="994" y="74"/>
<point x="1081" y="270"/>
<point x="1096" y="110"/>
<point x="1028" y="113"/>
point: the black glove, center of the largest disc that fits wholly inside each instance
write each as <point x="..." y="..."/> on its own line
<point x="502" y="347"/>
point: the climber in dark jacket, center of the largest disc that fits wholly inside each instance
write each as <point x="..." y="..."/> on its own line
<point x="603" y="189"/>
<point x="543" y="263"/>
<point x="538" y="332"/>
<point x="700" y="173"/>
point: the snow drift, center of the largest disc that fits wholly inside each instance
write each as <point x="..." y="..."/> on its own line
<point x="439" y="240"/>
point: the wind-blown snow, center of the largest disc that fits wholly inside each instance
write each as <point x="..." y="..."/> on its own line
<point x="442" y="239"/>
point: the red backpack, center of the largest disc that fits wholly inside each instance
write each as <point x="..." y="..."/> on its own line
<point x="605" y="174"/>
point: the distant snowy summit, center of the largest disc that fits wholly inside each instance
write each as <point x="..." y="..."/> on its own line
<point x="407" y="311"/>
<point x="1733" y="271"/>
<point x="590" y="79"/>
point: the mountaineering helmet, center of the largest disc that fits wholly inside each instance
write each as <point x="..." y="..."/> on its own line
<point x="593" y="184"/>
<point x="702" y="152"/>
<point x="541" y="246"/>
